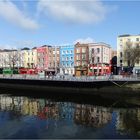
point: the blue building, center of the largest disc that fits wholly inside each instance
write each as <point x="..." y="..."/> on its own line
<point x="67" y="59"/>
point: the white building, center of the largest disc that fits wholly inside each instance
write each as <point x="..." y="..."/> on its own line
<point x="123" y="42"/>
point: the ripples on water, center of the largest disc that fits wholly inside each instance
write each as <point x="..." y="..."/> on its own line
<point x="24" y="117"/>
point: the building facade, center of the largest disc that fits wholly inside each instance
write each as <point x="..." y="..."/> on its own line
<point x="81" y="59"/>
<point x="9" y="58"/>
<point x="53" y="60"/>
<point x="99" y="58"/>
<point x="67" y="59"/>
<point x="28" y="58"/>
<point x="128" y="42"/>
<point x="42" y="58"/>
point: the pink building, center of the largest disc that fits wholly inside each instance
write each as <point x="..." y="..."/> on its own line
<point x="42" y="58"/>
<point x="99" y="58"/>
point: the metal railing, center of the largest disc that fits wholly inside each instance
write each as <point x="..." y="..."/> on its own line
<point x="72" y="78"/>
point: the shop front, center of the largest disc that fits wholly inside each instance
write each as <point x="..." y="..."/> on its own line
<point x="81" y="71"/>
<point x="99" y="70"/>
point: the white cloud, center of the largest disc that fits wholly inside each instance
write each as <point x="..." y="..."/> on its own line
<point x="7" y="46"/>
<point x="74" y="11"/>
<point x="84" y="41"/>
<point x="10" y="12"/>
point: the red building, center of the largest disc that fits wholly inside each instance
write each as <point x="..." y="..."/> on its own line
<point x="42" y="58"/>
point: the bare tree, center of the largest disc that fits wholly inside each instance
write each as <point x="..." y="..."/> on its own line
<point x="13" y="58"/>
<point x="132" y="55"/>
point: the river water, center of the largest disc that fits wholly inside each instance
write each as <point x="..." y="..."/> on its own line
<point x="28" y="117"/>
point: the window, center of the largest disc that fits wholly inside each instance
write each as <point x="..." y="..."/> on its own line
<point x="83" y="63"/>
<point x="77" y="63"/>
<point x="120" y="54"/>
<point x="78" y="57"/>
<point x="128" y="39"/>
<point x="137" y="39"/>
<point x="83" y="50"/>
<point x="128" y="62"/>
<point x="78" y="50"/>
<point x="98" y="50"/>
<point x="71" y="71"/>
<point x="72" y="64"/>
<point x="92" y="50"/>
<point x="98" y="59"/>
<point x="92" y="59"/>
<point x="83" y="56"/>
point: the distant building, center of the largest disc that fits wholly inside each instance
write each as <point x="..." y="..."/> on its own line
<point x="81" y="59"/>
<point x="124" y="42"/>
<point x="67" y="59"/>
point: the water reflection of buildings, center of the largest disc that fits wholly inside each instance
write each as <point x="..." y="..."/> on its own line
<point x="67" y="111"/>
<point x="92" y="116"/>
<point x="48" y="109"/>
<point x="11" y="103"/>
<point x="62" y="111"/>
<point x="128" y="121"/>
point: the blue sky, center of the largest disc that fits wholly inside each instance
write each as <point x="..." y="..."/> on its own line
<point x="59" y="22"/>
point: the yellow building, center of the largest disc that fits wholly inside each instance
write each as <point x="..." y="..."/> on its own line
<point x="29" y="58"/>
<point x="124" y="42"/>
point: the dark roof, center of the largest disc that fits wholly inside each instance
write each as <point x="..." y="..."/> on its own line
<point x="46" y="46"/>
<point x="125" y="35"/>
<point x="34" y="48"/>
<point x="25" y="48"/>
<point x="8" y="50"/>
